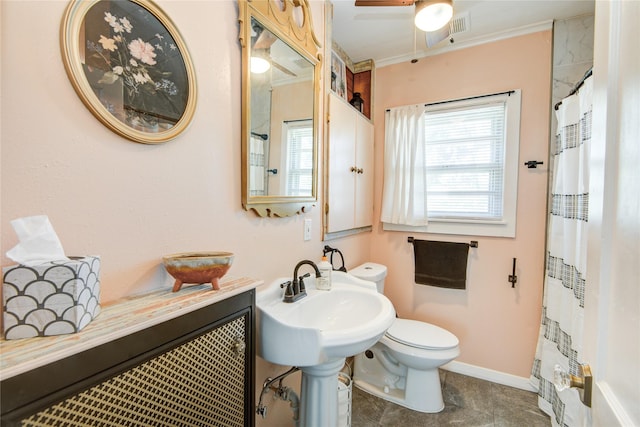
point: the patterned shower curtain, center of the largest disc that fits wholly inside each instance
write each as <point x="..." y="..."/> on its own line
<point x="257" y="167"/>
<point x="560" y="340"/>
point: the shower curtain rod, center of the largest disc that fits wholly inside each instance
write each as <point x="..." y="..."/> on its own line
<point x="577" y="87"/>
<point x="262" y="136"/>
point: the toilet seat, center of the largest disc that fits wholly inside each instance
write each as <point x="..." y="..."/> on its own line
<point x="422" y="335"/>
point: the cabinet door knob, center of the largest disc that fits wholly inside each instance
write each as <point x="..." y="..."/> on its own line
<point x="239" y="346"/>
<point x="353" y="169"/>
<point x="360" y="170"/>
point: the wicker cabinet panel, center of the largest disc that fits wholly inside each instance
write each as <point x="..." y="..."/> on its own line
<point x="197" y="369"/>
<point x="199" y="383"/>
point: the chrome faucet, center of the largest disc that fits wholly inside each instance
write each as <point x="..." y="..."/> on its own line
<point x="295" y="289"/>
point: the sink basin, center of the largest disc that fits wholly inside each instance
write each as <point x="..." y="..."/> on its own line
<point x="323" y="326"/>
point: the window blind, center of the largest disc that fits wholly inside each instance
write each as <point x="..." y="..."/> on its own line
<point x="299" y="158"/>
<point x="465" y="155"/>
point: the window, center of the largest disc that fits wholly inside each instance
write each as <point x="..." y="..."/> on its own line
<point x="464" y="155"/>
<point x="471" y="161"/>
<point x="299" y="152"/>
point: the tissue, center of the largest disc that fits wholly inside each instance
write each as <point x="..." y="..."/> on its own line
<point x="38" y="242"/>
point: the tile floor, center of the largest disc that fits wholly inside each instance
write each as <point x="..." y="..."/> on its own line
<point x="469" y="402"/>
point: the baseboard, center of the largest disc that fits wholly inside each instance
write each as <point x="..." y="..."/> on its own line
<point x="489" y="375"/>
<point x="607" y="408"/>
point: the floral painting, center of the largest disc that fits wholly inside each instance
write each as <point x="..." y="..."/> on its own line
<point x="134" y="66"/>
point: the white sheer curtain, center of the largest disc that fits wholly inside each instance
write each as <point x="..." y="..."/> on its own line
<point x="560" y="340"/>
<point x="405" y="173"/>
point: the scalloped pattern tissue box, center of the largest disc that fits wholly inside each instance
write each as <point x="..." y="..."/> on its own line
<point x="53" y="298"/>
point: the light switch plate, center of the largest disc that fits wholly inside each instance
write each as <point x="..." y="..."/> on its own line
<point x="307" y="229"/>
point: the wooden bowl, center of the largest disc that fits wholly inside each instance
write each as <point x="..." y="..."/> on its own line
<point x="198" y="267"/>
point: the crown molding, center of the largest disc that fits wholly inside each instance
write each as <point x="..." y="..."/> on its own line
<point x="489" y="38"/>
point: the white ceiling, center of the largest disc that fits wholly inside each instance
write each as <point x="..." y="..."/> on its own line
<point x="387" y="34"/>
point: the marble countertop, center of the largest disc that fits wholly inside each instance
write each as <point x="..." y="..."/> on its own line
<point x="117" y="319"/>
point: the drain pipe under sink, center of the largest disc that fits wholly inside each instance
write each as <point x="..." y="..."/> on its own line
<point x="288" y="394"/>
<point x="282" y="392"/>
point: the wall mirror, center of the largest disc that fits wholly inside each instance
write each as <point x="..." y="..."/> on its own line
<point x="281" y="68"/>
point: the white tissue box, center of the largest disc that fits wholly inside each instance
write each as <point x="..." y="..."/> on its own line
<point x="52" y="298"/>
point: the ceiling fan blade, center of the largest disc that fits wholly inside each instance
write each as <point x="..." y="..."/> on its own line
<point x="435" y="37"/>
<point x="384" y="16"/>
<point x="384" y="2"/>
<point x="265" y="40"/>
<point x="283" y="69"/>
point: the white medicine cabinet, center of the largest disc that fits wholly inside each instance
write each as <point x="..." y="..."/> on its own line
<point x="349" y="193"/>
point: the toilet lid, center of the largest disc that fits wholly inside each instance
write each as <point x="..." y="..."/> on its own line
<point x="421" y="335"/>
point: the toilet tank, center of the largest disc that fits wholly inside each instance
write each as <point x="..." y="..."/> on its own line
<point x="372" y="272"/>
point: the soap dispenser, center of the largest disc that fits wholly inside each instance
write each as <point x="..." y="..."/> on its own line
<point x="324" y="281"/>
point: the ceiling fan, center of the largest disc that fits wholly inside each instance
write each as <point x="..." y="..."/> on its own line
<point x="262" y="46"/>
<point x="431" y="16"/>
<point x="385" y="2"/>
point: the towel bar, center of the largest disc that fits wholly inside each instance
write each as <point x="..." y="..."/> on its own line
<point x="472" y="244"/>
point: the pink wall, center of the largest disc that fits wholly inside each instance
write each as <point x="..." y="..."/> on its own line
<point x="497" y="325"/>
<point x="132" y="203"/>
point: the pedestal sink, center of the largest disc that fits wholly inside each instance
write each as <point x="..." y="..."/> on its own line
<point x="317" y="333"/>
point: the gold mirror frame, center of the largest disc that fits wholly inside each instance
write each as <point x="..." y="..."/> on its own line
<point x="153" y="71"/>
<point x="290" y="21"/>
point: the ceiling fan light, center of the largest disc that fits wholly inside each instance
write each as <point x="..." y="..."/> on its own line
<point x="432" y="15"/>
<point x="259" y="65"/>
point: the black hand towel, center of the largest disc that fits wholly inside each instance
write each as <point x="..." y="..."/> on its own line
<point x="442" y="264"/>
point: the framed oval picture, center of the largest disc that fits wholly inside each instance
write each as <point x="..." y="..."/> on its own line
<point x="129" y="65"/>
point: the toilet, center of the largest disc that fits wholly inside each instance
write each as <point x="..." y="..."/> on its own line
<point x="402" y="367"/>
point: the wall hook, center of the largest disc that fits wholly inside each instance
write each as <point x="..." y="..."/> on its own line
<point x="533" y="164"/>
<point x="512" y="277"/>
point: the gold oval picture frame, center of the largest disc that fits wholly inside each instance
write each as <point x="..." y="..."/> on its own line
<point x="129" y="65"/>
